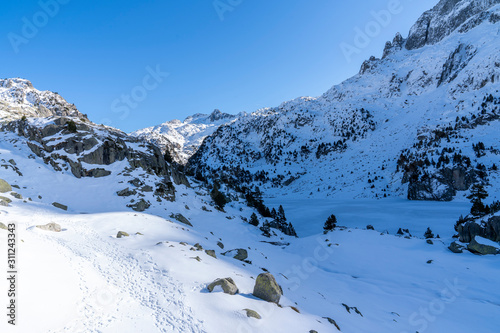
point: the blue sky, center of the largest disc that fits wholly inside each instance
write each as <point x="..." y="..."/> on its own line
<point x="234" y="55"/>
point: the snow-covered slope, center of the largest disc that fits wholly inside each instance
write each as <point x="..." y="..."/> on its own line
<point x="19" y="98"/>
<point x="155" y="280"/>
<point x="182" y="138"/>
<point x="349" y="140"/>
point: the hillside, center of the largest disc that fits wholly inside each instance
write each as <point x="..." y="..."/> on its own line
<point x="442" y="78"/>
<point x="218" y="223"/>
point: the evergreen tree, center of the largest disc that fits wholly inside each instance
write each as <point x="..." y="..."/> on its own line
<point x="428" y="234"/>
<point x="280" y="216"/>
<point x="71" y="126"/>
<point x="254" y="220"/>
<point x="218" y="197"/>
<point x="330" y="224"/>
<point x="266" y="229"/>
<point x="476" y="197"/>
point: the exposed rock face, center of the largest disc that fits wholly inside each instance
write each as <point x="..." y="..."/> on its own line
<point x="50" y="227"/>
<point x="482" y="249"/>
<point x="457" y="61"/>
<point x="443" y="19"/>
<point x="90" y="143"/>
<point x="396" y="45"/>
<point x="489" y="230"/>
<point x="19" y="98"/>
<point x="267" y="289"/>
<point x="442" y="186"/>
<point x="227" y="284"/>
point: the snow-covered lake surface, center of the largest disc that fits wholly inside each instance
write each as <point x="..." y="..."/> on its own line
<point x="308" y="215"/>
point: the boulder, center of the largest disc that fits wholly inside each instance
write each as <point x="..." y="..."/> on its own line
<point x="4" y="186"/>
<point x="252" y="314"/>
<point x="211" y="253"/>
<point x="60" y="206"/>
<point x="227" y="284"/>
<point x="180" y="218"/>
<point x="140" y="205"/>
<point x="121" y="234"/>
<point x="4" y="201"/>
<point x="16" y="195"/>
<point x="126" y="192"/>
<point x="50" y="227"/>
<point x="482" y="249"/>
<point x="239" y="254"/>
<point x="267" y="289"/>
<point x="456" y="248"/>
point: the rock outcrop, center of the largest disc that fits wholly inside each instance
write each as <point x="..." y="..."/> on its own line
<point x="447" y="16"/>
<point x="489" y="229"/>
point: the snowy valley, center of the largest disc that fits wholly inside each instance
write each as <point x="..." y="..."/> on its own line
<point x="217" y="223"/>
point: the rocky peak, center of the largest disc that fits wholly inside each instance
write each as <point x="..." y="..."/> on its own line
<point x="19" y="98"/>
<point x="396" y="45"/>
<point x="9" y="83"/>
<point x="443" y="19"/>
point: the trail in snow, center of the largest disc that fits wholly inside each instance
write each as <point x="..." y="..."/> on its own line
<point x="128" y="287"/>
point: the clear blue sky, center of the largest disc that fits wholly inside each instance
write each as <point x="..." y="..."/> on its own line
<point x="261" y="54"/>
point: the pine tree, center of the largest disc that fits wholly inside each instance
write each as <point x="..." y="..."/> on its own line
<point x="428" y="234"/>
<point x="266" y="229"/>
<point x="476" y="197"/>
<point x="254" y="220"/>
<point x="218" y="197"/>
<point x="330" y="224"/>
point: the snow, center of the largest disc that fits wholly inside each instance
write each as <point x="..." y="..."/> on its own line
<point x="186" y="136"/>
<point x="85" y="279"/>
<point x="484" y="241"/>
<point x="149" y="282"/>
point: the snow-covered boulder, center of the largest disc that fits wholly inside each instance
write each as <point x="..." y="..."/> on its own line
<point x="483" y="246"/>
<point x="50" y="227"/>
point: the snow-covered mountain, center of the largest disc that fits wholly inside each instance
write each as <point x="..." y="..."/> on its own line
<point x="112" y="236"/>
<point x="19" y="98"/>
<point x="438" y="84"/>
<point x="182" y="138"/>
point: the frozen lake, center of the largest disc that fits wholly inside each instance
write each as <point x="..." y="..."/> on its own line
<point x="309" y="215"/>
